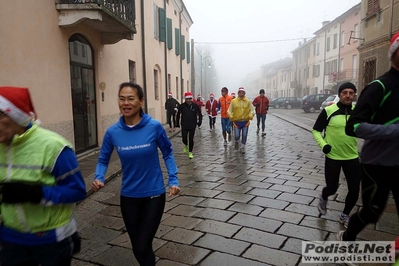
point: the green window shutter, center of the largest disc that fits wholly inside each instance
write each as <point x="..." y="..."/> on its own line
<point x="162" y="24"/>
<point x="183" y="44"/>
<point x="177" y="41"/>
<point x="188" y="52"/>
<point x="169" y="33"/>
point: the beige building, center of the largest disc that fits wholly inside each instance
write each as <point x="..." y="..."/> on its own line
<point x="380" y="21"/>
<point x="73" y="54"/>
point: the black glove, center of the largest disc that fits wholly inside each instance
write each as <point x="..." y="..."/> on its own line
<point x="18" y="192"/>
<point x="327" y="148"/>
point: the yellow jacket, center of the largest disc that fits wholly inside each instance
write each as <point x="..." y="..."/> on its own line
<point x="241" y="109"/>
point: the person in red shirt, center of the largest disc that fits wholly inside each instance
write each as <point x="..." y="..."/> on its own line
<point x="211" y="107"/>
<point x="261" y="104"/>
<point x="200" y="103"/>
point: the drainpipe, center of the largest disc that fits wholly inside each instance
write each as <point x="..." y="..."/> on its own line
<point x="166" y="56"/>
<point x="181" y="48"/>
<point x="390" y="21"/>
<point x="143" y="56"/>
<point x="324" y="60"/>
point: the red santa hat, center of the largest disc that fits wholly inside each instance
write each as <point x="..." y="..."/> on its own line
<point x="211" y="95"/>
<point x="394" y="45"/>
<point x="170" y="94"/>
<point x="233" y="94"/>
<point x="188" y="95"/>
<point x="199" y="96"/>
<point x="16" y="103"/>
<point x="241" y="89"/>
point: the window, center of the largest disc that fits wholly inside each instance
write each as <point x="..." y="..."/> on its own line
<point x="177" y="41"/>
<point x="355" y="32"/>
<point x="335" y="40"/>
<point x="342" y="38"/>
<point x="169" y="33"/>
<point x="373" y="6"/>
<point x="369" y="71"/>
<point x="354" y="66"/>
<point x="183" y="50"/>
<point x="156" y="86"/>
<point x="314" y="49"/>
<point x="318" y="49"/>
<point x="83" y="47"/>
<point x="177" y="85"/>
<point x="132" y="71"/>
<point x="328" y="44"/>
<point x="155" y="11"/>
<point x="162" y="24"/>
<point x="341" y="65"/>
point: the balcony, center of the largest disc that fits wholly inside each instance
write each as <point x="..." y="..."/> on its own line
<point x="114" y="19"/>
<point x="345" y="75"/>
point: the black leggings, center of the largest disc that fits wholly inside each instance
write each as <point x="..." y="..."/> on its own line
<point x="190" y="141"/>
<point x="351" y="168"/>
<point x="171" y="117"/>
<point x="142" y="217"/>
<point x="212" y="121"/>
<point x="377" y="182"/>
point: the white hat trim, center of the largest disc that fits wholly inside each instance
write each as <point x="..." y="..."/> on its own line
<point x="394" y="46"/>
<point x="12" y="111"/>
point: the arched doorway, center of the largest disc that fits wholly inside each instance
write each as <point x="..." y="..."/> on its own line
<point x="83" y="93"/>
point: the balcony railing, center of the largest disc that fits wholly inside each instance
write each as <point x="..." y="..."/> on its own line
<point x="115" y="19"/>
<point x="345" y="75"/>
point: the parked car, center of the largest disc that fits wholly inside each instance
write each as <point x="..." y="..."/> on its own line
<point x="276" y="102"/>
<point x="292" y="102"/>
<point x="333" y="99"/>
<point x="313" y="102"/>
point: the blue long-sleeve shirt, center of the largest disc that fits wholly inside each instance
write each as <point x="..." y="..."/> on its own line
<point x="137" y="148"/>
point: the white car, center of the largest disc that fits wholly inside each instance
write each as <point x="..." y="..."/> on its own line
<point x="333" y="99"/>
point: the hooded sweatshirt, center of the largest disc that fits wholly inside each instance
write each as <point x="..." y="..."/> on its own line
<point x="137" y="148"/>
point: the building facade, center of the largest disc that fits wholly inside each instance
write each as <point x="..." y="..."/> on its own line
<point x="73" y="54"/>
<point x="380" y="21"/>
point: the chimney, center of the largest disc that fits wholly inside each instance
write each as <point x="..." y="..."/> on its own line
<point x="325" y="23"/>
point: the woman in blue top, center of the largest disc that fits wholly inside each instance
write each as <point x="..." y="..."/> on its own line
<point x="136" y="138"/>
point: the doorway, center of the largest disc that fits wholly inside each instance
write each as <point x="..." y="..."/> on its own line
<point x="83" y="94"/>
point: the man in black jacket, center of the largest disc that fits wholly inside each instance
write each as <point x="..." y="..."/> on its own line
<point x="171" y="106"/>
<point x="376" y="120"/>
<point x="188" y="111"/>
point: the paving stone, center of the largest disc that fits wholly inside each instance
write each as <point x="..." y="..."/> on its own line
<point x="267" y="193"/>
<point x="182" y="253"/>
<point x="218" y="228"/>
<point x="163" y="229"/>
<point x="182" y="222"/>
<point x="185" y="210"/>
<point x="260" y="237"/>
<point x="222" y="259"/>
<point x="302" y="209"/>
<point x="257" y="184"/>
<point x="91" y="249"/>
<point x="123" y="241"/>
<point x="271" y="256"/>
<point x="246" y="208"/>
<point x="322" y="224"/>
<point x="115" y="200"/>
<point x="92" y="205"/>
<point x="308" y="192"/>
<point x="293" y="245"/>
<point x="215" y="214"/>
<point x="235" y="197"/>
<point x="169" y="263"/>
<point x="269" y="203"/>
<point x="203" y="185"/>
<point x="388" y="223"/>
<point x="76" y="262"/>
<point x="260" y="223"/>
<point x="274" y="180"/>
<point x="302" y="232"/>
<point x="295" y="198"/>
<point x="183" y="236"/>
<point x="233" y="188"/>
<point x="169" y="206"/>
<point x="222" y="244"/>
<point x="116" y="256"/>
<point x="187" y="200"/>
<point x="215" y="203"/>
<point x="283" y="216"/>
<point x="99" y="233"/>
<point x="114" y="211"/>
<point x="207" y="193"/>
<point x="284" y="188"/>
<point x="373" y="235"/>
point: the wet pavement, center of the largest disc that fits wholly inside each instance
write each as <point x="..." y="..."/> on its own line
<point x="234" y="209"/>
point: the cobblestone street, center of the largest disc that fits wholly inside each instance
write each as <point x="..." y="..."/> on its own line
<point x="234" y="209"/>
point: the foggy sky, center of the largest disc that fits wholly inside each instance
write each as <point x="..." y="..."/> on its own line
<point x="268" y="31"/>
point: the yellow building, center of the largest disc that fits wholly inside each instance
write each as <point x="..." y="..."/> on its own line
<point x="73" y="54"/>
